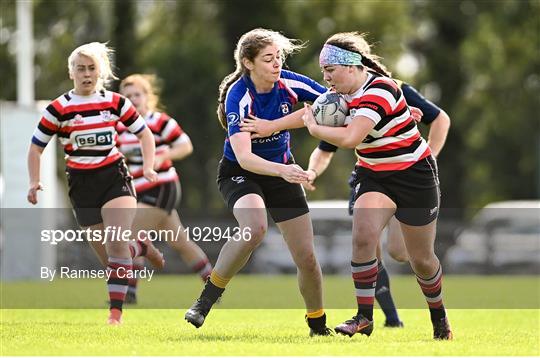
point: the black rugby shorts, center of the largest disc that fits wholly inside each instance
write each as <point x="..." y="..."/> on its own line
<point x="283" y="200"/>
<point x="90" y="189"/>
<point x="415" y="190"/>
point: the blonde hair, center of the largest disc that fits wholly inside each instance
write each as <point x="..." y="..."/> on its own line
<point x="101" y="54"/>
<point x="248" y="47"/>
<point x="149" y="85"/>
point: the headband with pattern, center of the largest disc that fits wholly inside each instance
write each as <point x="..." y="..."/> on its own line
<point x="333" y="55"/>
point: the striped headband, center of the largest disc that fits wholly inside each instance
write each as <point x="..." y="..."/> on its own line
<point x="333" y="55"/>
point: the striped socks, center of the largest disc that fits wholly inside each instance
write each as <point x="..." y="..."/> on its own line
<point x="117" y="284"/>
<point x="365" y="279"/>
<point x="432" y="289"/>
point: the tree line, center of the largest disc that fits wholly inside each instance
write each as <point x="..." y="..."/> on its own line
<point x="478" y="60"/>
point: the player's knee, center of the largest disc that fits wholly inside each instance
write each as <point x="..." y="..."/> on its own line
<point x="423" y="264"/>
<point x="365" y="237"/>
<point x="257" y="234"/>
<point x="306" y="260"/>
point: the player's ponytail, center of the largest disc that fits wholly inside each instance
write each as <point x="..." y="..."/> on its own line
<point x="223" y="88"/>
<point x="375" y="65"/>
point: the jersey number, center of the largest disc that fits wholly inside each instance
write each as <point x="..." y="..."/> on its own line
<point x="102" y="138"/>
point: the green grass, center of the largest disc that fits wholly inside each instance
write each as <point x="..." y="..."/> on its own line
<point x="274" y="291"/>
<point x="260" y="332"/>
<point x="493" y="315"/>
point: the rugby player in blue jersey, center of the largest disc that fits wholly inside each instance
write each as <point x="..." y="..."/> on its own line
<point x="256" y="174"/>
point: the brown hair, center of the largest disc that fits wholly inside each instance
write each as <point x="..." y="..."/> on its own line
<point x="356" y="42"/>
<point x="248" y="47"/>
<point x="149" y="85"/>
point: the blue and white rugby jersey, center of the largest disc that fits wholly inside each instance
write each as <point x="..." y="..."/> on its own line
<point x="242" y="100"/>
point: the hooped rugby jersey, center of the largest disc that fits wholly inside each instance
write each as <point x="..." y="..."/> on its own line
<point x="242" y="100"/>
<point x="395" y="142"/>
<point x="167" y="134"/>
<point x="85" y="126"/>
<point x="429" y="109"/>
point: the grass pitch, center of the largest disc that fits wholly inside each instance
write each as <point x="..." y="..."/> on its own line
<point x="250" y="331"/>
<point x="260" y="332"/>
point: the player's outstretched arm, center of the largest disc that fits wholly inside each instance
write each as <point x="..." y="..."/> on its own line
<point x="261" y="128"/>
<point x="438" y="130"/>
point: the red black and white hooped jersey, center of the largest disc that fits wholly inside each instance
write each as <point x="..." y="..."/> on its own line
<point x="85" y="126"/>
<point x="395" y="142"/>
<point x="167" y="134"/>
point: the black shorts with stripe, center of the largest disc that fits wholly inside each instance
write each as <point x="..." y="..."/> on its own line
<point x="90" y="189"/>
<point x="165" y="196"/>
<point x="283" y="200"/>
<point x="415" y="190"/>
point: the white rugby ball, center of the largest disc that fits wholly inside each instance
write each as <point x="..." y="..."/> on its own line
<point x="330" y="109"/>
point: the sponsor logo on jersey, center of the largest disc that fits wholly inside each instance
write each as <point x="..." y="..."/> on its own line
<point x="370" y="106"/>
<point x="90" y="139"/>
<point x="273" y="138"/>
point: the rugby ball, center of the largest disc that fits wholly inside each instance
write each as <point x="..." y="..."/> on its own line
<point x="330" y="109"/>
